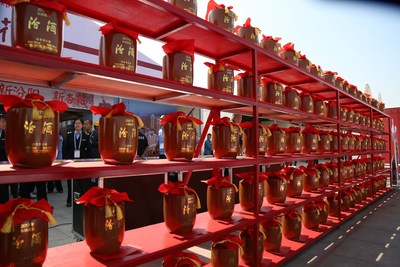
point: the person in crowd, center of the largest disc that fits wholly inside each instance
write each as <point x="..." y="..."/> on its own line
<point x="75" y="146"/>
<point x="161" y="151"/>
<point x="208" y="145"/>
<point x="93" y="146"/>
<point x="57" y="183"/>
<point x="143" y="145"/>
<point x="4" y="193"/>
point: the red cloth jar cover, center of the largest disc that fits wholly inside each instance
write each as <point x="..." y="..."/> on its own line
<point x="271" y="91"/>
<point x="323" y="208"/>
<point x="346" y="86"/>
<point x="118" y="133"/>
<point x="277" y="140"/>
<point x="180" y="204"/>
<point x="180" y="135"/>
<point x="275" y="187"/>
<point x="320" y="106"/>
<point x="330" y="76"/>
<point x="221" y="76"/>
<point x="307" y="102"/>
<point x="224" y="251"/>
<point x="246" y="190"/>
<point x="272" y="229"/>
<point x="187" y="5"/>
<point x="294" y="180"/>
<point x="225" y="138"/>
<point x="311" y="178"/>
<point x="316" y="70"/>
<point x="245" y="84"/>
<point x="118" y="47"/>
<point x="178" y="61"/>
<point x="220" y="197"/>
<point x="287" y="52"/>
<point x="311" y="216"/>
<point x="271" y="44"/>
<point x="325" y="174"/>
<point x="248" y="138"/>
<point x="24" y="232"/>
<point x="248" y="236"/>
<point x="220" y="15"/>
<point x="332" y="109"/>
<point x="311" y="139"/>
<point x="303" y="62"/>
<point x="291" y="225"/>
<point x="324" y="144"/>
<point x="291" y="98"/>
<point x="339" y="82"/>
<point x="104" y="219"/>
<point x="32" y="129"/>
<point x="248" y="32"/>
<point x="182" y="259"/>
<point x="38" y="25"/>
<point x="294" y="140"/>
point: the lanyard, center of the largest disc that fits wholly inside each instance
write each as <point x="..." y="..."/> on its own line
<point x="80" y="141"/>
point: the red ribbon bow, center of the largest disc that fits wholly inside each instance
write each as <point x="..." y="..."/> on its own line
<point x="182" y="259"/>
<point x="213" y="5"/>
<point x="332" y="103"/>
<point x="219" y="65"/>
<point x="330" y="72"/>
<point x="101" y="197"/>
<point x="274" y="174"/>
<point x="292" y="129"/>
<point x="275" y="127"/>
<point x="116" y="110"/>
<point x="287" y="47"/>
<point x="290" y="89"/>
<point x="179" y="118"/>
<point x="245" y="25"/>
<point x="294" y="214"/>
<point x="311" y="206"/>
<point x="184" y="46"/>
<point x="266" y="80"/>
<point x="220" y="181"/>
<point x="231" y="242"/>
<point x="224" y="121"/>
<point x="248" y="177"/>
<point x="33" y="101"/>
<point x="273" y="222"/>
<point x="289" y="171"/>
<point x="309" y="170"/>
<point x="339" y="78"/>
<point x="302" y="56"/>
<point x="243" y="74"/>
<point x="113" y="26"/>
<point x="276" y="39"/>
<point x="310" y="130"/>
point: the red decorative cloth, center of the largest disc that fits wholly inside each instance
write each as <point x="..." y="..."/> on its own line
<point x="273" y="222"/>
<point x="179" y="118"/>
<point x="219" y="65"/>
<point x="243" y="74"/>
<point x="276" y="39"/>
<point x="220" y="181"/>
<point x="43" y="3"/>
<point x="116" y="110"/>
<point x="248" y="177"/>
<point x="32" y="101"/>
<point x="246" y="25"/>
<point x="225" y="121"/>
<point x="291" y="171"/>
<point x="309" y="171"/>
<point x="294" y="214"/>
<point x="266" y="80"/>
<point x="250" y="124"/>
<point x="18" y="210"/>
<point x="182" y="259"/>
<point x="178" y="189"/>
<point x="231" y="242"/>
<point x="101" y="197"/>
<point x="275" y="127"/>
<point x="184" y="46"/>
<point x="113" y="26"/>
<point x="290" y="89"/>
<point x="329" y="72"/>
<point x="292" y="130"/>
<point x="332" y="104"/>
<point x="213" y="5"/>
<point x="287" y="47"/>
<point x="311" y="206"/>
<point x="274" y="174"/>
<point x="304" y="57"/>
<point x="310" y="130"/>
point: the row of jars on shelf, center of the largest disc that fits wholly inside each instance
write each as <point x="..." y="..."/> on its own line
<point x="226" y="251"/>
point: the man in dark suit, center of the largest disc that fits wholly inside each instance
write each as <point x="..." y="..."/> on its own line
<point x="75" y="146"/>
<point x="4" y="194"/>
<point x="93" y="146"/>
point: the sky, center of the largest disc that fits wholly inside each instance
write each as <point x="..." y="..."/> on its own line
<point x="359" y="40"/>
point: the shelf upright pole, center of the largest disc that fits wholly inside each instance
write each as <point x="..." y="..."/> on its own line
<point x="338" y="129"/>
<point x="390" y="151"/>
<point x="371" y="179"/>
<point x="201" y="141"/>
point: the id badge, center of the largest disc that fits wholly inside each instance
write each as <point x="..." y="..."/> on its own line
<point x="77" y="154"/>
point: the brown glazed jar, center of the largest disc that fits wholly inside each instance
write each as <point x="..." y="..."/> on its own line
<point x="345" y="201"/>
<point x="245" y="85"/>
<point x="381" y="106"/>
<point x="291" y="98"/>
<point x="38" y="28"/>
<point x="180" y="212"/>
<point x="339" y="82"/>
<point x="303" y="62"/>
<point x="357" y="143"/>
<point x="220" y="202"/>
<point x="221" y="77"/>
<point x="307" y="103"/>
<point x="346" y="86"/>
<point x="350" y="115"/>
<point x="311" y="216"/>
<point x="353" y="197"/>
<point x="248" y="32"/>
<point x="26" y="245"/>
<point x="352" y="142"/>
<point x="311" y="139"/>
<point x="275" y="188"/>
<point x="287" y="52"/>
<point x="320" y="107"/>
<point x="272" y="230"/>
<point x="181" y="259"/>
<point x="222" y="17"/>
<point x="330" y="76"/>
<point x="324" y="144"/>
<point x="359" y="194"/>
<point x="225" y="142"/>
<point x="332" y="109"/>
<point x="291" y="225"/>
<point x="270" y="43"/>
<point x="223" y="255"/>
<point x="118" y="139"/>
<point x="334" y="175"/>
<point x="316" y="70"/>
<point x="103" y="235"/>
<point x="294" y="179"/>
<point x="178" y="61"/>
<point x="271" y="92"/>
<point x="353" y="90"/>
<point x="187" y="5"/>
<point x="344" y="142"/>
<point x="180" y="144"/>
<point x="362" y="120"/>
<point x="343" y="114"/>
<point x="335" y="141"/>
<point x="311" y="179"/>
<point x="294" y="140"/>
<point x="333" y="205"/>
<point x="356" y="118"/>
<point x="118" y="47"/>
<point x="323" y="209"/>
<point x="246" y="191"/>
<point x="248" y="139"/>
<point x="324" y="175"/>
<point x="277" y="141"/>
<point x="247" y="250"/>
<point x="31" y="139"/>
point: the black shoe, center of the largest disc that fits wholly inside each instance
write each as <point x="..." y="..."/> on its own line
<point x="69" y="205"/>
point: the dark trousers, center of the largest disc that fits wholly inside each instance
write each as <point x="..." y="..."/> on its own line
<point x="4" y="195"/>
<point x="69" y="195"/>
<point x="57" y="183"/>
<point x="27" y="188"/>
